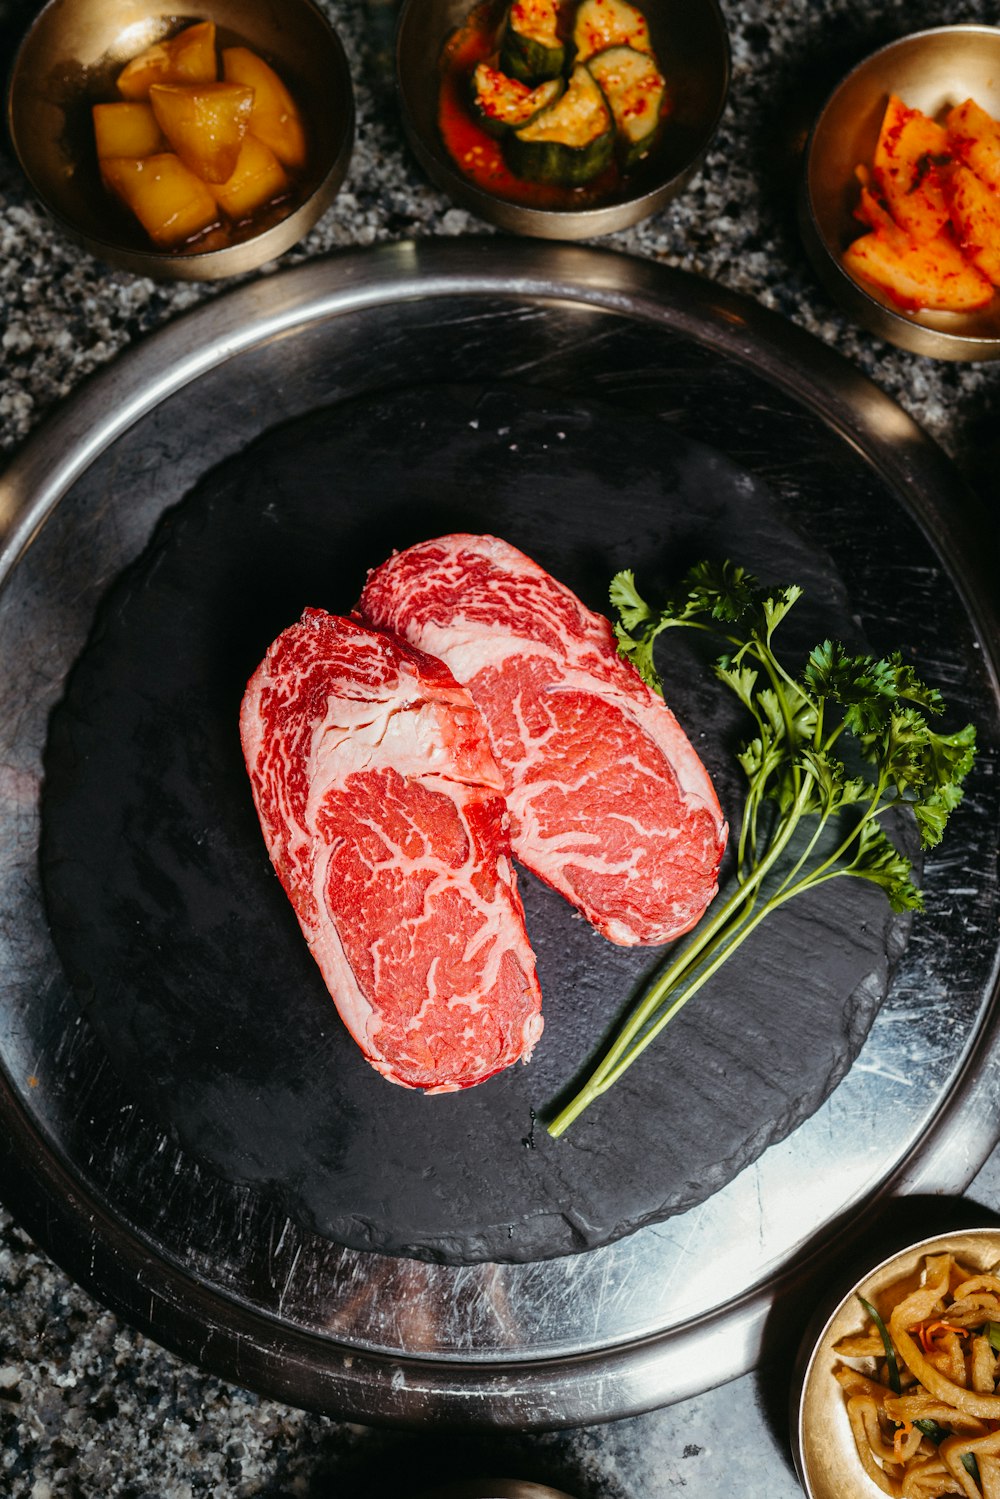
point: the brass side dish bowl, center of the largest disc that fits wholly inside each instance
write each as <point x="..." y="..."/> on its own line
<point x="690" y="40"/>
<point x="824" y="1449"/>
<point x="68" y="61"/>
<point x="930" y="71"/>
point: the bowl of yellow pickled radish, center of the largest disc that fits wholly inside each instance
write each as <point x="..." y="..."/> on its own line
<point x="900" y="200"/>
<point x="182" y="146"/>
<point x="900" y="1392"/>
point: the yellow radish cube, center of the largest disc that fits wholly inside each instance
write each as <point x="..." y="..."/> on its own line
<point x="911" y="152"/>
<point x="259" y="177"/>
<point x="204" y="123"/>
<point x="126" y="129"/>
<point x="932" y="274"/>
<point x="170" y="202"/>
<point x="975" y="139"/>
<point x="275" y="119"/>
<point x="188" y="57"/>
<point x="975" y="213"/>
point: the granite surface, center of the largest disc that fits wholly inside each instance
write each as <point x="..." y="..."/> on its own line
<point x="89" y="1407"/>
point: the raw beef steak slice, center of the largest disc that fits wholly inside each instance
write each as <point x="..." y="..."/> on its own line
<point x="609" y="802"/>
<point x="382" y="810"/>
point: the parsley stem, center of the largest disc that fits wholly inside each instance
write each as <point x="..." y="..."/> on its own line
<point x="710" y="944"/>
<point x="878" y="703"/>
<point x="621" y="1056"/>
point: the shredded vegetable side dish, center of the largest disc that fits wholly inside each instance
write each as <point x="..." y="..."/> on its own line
<point x="921" y="1384"/>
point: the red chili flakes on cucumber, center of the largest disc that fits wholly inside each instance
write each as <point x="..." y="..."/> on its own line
<point x="550" y="103"/>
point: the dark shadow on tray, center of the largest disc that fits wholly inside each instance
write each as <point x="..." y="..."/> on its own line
<point x="408" y="1465"/>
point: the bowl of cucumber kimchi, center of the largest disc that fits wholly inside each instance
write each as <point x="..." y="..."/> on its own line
<point x="562" y="119"/>
<point x="900" y="204"/>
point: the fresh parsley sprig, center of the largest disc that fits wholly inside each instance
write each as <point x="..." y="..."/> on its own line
<point x="807" y="817"/>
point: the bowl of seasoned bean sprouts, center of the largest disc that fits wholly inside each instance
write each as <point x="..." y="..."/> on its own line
<point x="900" y="1393"/>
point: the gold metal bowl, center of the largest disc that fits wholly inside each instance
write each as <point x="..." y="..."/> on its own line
<point x="930" y="70"/>
<point x="68" y="61"/>
<point x="826" y="1458"/>
<point x="690" y="39"/>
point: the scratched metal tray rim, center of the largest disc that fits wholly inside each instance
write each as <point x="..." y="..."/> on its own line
<point x="543" y="1375"/>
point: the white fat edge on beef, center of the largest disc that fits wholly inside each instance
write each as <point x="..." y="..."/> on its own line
<point x="408" y="727"/>
<point x="284" y="833"/>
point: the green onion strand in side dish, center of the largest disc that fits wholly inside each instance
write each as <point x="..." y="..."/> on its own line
<point x="806" y="818"/>
<point x="932" y="1429"/>
<point x="892" y="1362"/>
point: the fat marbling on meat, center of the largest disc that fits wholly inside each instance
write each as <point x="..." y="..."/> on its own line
<point x="383" y="813"/>
<point x="610" y="804"/>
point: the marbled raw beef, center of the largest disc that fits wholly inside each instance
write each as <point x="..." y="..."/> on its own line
<point x="382" y="810"/>
<point x="610" y="804"/>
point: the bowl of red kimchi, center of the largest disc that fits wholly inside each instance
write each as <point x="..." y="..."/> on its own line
<point x="900" y="196"/>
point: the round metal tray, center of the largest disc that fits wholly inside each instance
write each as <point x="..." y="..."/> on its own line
<point x="211" y="1270"/>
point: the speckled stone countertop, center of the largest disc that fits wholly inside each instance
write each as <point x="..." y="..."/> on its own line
<point x="87" y="1406"/>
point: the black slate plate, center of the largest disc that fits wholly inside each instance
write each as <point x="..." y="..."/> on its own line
<point x="187" y="958"/>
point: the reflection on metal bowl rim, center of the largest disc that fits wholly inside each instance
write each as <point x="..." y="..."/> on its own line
<point x="826" y="1458"/>
<point x="928" y="69"/>
<point x="691" y="37"/>
<point x="63" y="66"/>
